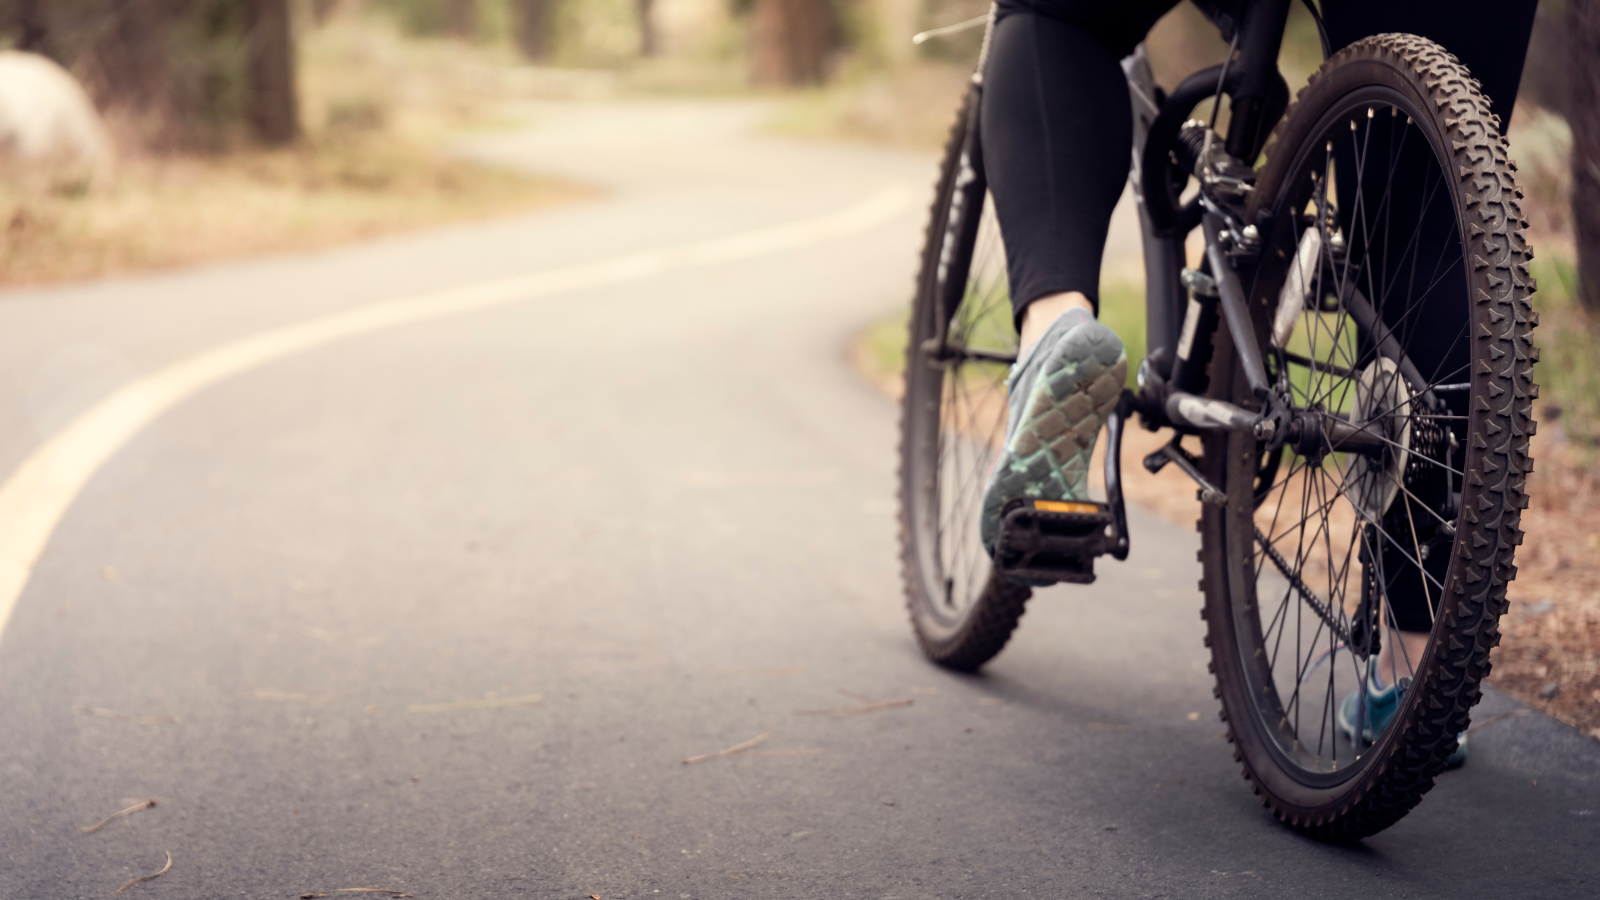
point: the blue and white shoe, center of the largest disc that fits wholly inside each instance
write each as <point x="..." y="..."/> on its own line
<point x="1382" y="703"/>
<point x="1061" y="392"/>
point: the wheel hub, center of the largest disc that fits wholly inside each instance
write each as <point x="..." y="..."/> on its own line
<point x="1383" y="409"/>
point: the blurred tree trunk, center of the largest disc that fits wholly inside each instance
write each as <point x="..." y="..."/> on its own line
<point x="1546" y="79"/>
<point x="462" y="18"/>
<point x="129" y="69"/>
<point x="648" y="42"/>
<point x="531" y="21"/>
<point x="792" y="41"/>
<point x="1583" y="114"/>
<point x="274" y="109"/>
<point x="32" y="35"/>
<point x="322" y="9"/>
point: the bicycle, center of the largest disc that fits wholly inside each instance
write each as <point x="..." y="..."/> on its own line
<point x="1363" y="417"/>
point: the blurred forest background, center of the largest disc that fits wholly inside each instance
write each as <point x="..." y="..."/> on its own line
<point x="244" y="126"/>
<point x="210" y="78"/>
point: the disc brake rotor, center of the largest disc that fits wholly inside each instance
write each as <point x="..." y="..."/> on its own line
<point x="1382" y="407"/>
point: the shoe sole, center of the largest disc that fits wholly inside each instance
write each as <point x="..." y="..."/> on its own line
<point x="1047" y="457"/>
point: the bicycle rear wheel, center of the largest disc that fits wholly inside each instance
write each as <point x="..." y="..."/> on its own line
<point x="1416" y="326"/>
<point x="953" y="418"/>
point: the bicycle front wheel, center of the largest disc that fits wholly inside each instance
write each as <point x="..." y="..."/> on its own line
<point x="953" y="417"/>
<point x="1396" y="217"/>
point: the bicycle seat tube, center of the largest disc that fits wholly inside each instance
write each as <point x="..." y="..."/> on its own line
<point x="1259" y="39"/>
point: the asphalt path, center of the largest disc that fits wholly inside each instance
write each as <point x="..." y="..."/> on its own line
<point x="441" y="606"/>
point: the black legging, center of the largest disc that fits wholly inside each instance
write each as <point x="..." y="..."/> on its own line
<point x="1057" y="126"/>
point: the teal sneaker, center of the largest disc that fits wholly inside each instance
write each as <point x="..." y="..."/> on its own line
<point x="1061" y="392"/>
<point x="1382" y="704"/>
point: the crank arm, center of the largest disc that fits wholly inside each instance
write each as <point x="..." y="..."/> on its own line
<point x="1173" y="453"/>
<point x="1119" y="513"/>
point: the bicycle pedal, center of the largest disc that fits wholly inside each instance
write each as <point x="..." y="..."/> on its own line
<point x="1045" y="541"/>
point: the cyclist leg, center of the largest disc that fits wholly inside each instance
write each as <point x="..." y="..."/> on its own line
<point x="1057" y="129"/>
<point x="1490" y="37"/>
<point x="1495" y="56"/>
<point x="1057" y="132"/>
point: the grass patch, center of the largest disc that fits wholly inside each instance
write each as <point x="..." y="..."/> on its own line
<point x="160" y="213"/>
<point x="882" y="345"/>
<point x="1122" y="311"/>
<point x="1569" y="364"/>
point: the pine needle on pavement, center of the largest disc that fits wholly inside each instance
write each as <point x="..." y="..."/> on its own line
<point x="854" y="710"/>
<point x="163" y="871"/>
<point x="356" y="891"/>
<point x="146" y="804"/>
<point x="736" y="748"/>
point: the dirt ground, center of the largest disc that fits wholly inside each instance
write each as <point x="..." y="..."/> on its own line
<point x="1549" y="656"/>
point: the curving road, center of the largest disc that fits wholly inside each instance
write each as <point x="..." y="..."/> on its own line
<point x="439" y="604"/>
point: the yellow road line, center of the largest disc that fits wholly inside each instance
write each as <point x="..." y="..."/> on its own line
<point x="38" y="493"/>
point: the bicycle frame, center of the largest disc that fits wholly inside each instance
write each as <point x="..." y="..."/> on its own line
<point x="1184" y="308"/>
<point x="1258" y="96"/>
<point x="1173" y="319"/>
